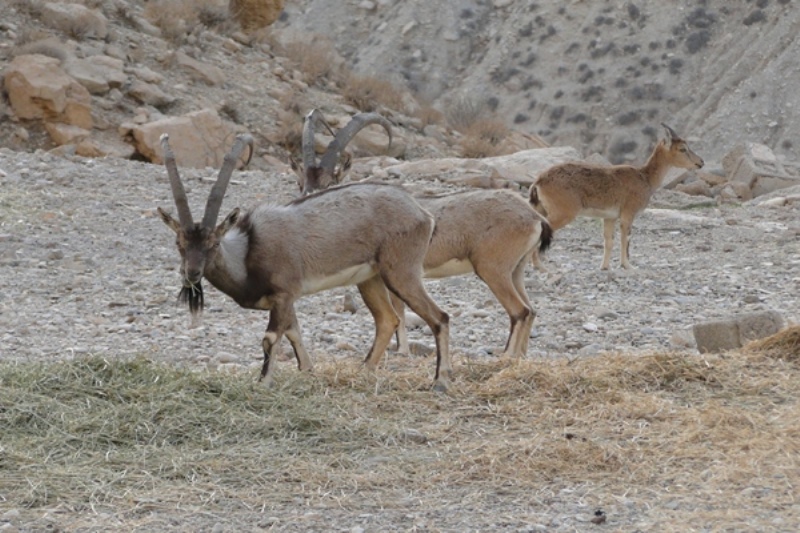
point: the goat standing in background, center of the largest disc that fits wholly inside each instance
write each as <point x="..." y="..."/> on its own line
<point x="489" y="232"/>
<point x="569" y="190"/>
<point x="370" y="235"/>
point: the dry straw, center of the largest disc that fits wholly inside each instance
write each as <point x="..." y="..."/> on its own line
<point x="123" y="435"/>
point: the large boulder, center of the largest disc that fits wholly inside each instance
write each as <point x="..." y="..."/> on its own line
<point x="521" y="168"/>
<point x="99" y="74"/>
<point x="736" y="331"/>
<point x="199" y="139"/>
<point x="39" y="89"/>
<point x="757" y="167"/>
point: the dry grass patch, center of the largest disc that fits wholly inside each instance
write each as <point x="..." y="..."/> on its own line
<point x="316" y="60"/>
<point x="177" y="18"/>
<point x="368" y="93"/>
<point x="111" y="433"/>
<point x="484" y="138"/>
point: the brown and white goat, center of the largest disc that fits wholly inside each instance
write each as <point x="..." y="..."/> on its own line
<point x="489" y="232"/>
<point x="618" y="192"/>
<point x="370" y="235"/>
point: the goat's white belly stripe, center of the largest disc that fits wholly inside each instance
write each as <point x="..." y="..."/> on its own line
<point x="609" y="212"/>
<point x="349" y="276"/>
<point x="454" y="267"/>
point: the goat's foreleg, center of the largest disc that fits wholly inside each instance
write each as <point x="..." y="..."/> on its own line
<point x="281" y="319"/>
<point x="625" y="224"/>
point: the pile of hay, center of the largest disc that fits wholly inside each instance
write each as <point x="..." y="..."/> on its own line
<point x="119" y="434"/>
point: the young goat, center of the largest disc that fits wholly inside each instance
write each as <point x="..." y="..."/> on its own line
<point x="370" y="235"/>
<point x="569" y="190"/>
<point x="489" y="232"/>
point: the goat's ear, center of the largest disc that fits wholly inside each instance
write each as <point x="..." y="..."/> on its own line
<point x="301" y="176"/>
<point x="347" y="163"/>
<point x="168" y="220"/>
<point x="228" y="223"/>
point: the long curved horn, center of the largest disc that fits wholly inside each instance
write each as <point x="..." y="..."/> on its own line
<point x="346" y="134"/>
<point x="218" y="190"/>
<point x="672" y="135"/>
<point x="309" y="127"/>
<point x="178" y="192"/>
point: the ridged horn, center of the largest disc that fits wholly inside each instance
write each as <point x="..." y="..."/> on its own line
<point x="178" y="192"/>
<point x="218" y="190"/>
<point x="309" y="127"/>
<point x="346" y="134"/>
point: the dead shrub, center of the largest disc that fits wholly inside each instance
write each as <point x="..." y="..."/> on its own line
<point x="255" y="14"/>
<point x="314" y="59"/>
<point x="429" y="115"/>
<point x="289" y="134"/>
<point x="177" y="18"/>
<point x="483" y="138"/>
<point x="368" y="93"/>
<point x="462" y="112"/>
<point x="50" y="47"/>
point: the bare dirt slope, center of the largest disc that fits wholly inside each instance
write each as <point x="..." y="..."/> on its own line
<point x="595" y="75"/>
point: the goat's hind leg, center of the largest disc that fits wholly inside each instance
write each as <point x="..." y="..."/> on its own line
<point x="401" y="333"/>
<point x="376" y="298"/>
<point x="608" y="241"/>
<point x="502" y="284"/>
<point x="407" y="285"/>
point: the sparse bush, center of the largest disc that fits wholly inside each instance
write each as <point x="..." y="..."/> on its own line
<point x="32" y="8"/>
<point x="254" y="15"/>
<point x="754" y="17"/>
<point x="700" y="18"/>
<point x="462" y="112"/>
<point x="519" y="118"/>
<point x="618" y="151"/>
<point x="175" y="18"/>
<point x="594" y="93"/>
<point x="50" y="47"/>
<point x="428" y="115"/>
<point x="483" y="138"/>
<point x="633" y="11"/>
<point x="368" y="93"/>
<point x="526" y="30"/>
<point x="492" y="103"/>
<point x="315" y="58"/>
<point x="675" y="65"/>
<point x="290" y="121"/>
<point x="628" y="118"/>
<point x="697" y="41"/>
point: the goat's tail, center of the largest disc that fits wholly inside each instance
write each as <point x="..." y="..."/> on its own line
<point x="546" y="236"/>
<point x="533" y="198"/>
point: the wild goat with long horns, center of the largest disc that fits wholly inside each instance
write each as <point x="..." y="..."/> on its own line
<point x="370" y="235"/>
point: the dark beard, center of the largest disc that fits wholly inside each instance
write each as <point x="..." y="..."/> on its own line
<point x="192" y="295"/>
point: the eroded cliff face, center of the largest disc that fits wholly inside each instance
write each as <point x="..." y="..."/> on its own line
<point x="600" y="76"/>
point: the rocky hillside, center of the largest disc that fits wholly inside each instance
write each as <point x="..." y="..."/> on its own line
<point x="599" y="76"/>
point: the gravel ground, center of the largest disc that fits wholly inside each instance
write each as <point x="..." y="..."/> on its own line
<point x="87" y="267"/>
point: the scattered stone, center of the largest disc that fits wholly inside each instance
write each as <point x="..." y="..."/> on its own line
<point x="736" y="331"/>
